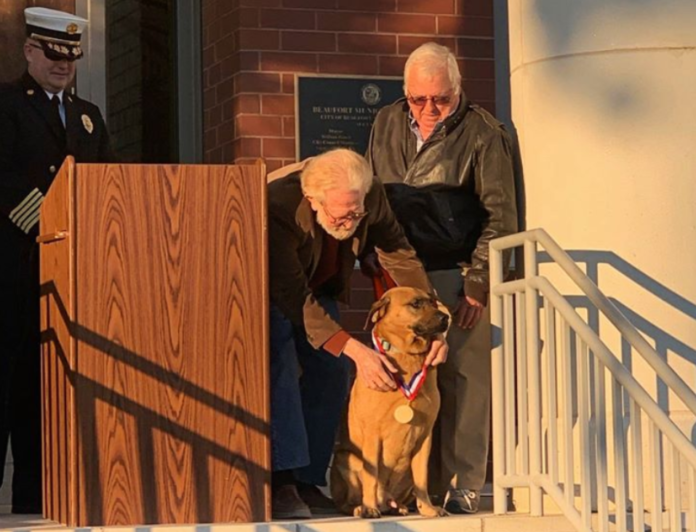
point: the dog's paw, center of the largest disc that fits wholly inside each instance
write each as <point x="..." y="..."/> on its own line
<point x="394" y="508"/>
<point x="428" y="510"/>
<point x="366" y="512"/>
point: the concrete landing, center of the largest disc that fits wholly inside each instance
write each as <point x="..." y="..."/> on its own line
<point x="481" y="522"/>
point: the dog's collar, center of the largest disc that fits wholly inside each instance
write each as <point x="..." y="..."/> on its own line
<point x="411" y="389"/>
<point x="383" y="345"/>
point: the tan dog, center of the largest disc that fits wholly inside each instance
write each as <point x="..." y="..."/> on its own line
<point x="380" y="463"/>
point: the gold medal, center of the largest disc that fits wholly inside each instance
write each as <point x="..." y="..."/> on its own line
<point x="403" y="414"/>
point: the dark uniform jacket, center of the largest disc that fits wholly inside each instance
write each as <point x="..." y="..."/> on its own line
<point x="454" y="195"/>
<point x="34" y="143"/>
<point x="295" y="246"/>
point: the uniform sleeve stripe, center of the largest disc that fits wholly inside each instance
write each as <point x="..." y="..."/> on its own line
<point x="29" y="212"/>
<point x="31" y="222"/>
<point x="26" y="202"/>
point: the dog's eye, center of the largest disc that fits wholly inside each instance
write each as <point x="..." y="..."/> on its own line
<point x="416" y="303"/>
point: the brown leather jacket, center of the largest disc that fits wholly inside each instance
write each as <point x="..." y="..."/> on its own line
<point x="295" y="244"/>
<point x="454" y="195"/>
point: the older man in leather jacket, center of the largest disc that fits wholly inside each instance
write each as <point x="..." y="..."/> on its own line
<point x="448" y="173"/>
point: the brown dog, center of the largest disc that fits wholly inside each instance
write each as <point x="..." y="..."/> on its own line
<point x="380" y="463"/>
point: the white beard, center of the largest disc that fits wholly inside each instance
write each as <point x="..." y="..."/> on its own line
<point x="340" y="233"/>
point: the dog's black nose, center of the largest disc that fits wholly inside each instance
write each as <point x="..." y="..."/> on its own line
<point x="444" y="318"/>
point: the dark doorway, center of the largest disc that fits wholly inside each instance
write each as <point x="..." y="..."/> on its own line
<point x="141" y="79"/>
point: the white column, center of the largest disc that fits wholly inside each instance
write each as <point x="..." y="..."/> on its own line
<point x="604" y="101"/>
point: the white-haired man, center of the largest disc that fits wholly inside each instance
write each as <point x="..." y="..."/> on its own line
<point x="320" y="219"/>
<point x="448" y="172"/>
<point x="41" y="122"/>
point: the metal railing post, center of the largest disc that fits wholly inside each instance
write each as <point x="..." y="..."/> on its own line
<point x="533" y="353"/>
<point x="497" y="383"/>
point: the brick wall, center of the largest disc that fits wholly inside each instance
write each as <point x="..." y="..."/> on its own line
<point x="124" y="71"/>
<point x="253" y="48"/>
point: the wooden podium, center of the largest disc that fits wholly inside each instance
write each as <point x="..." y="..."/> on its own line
<point x="155" y="345"/>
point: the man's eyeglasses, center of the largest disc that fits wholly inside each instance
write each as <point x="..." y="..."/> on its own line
<point x="420" y="101"/>
<point x="53" y="56"/>
<point x="342" y="220"/>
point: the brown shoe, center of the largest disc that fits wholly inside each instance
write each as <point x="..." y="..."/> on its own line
<point x="287" y="504"/>
<point x="318" y="502"/>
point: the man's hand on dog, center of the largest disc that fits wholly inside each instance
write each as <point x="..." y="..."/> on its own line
<point x="438" y="352"/>
<point x="371" y="366"/>
<point x="468" y="312"/>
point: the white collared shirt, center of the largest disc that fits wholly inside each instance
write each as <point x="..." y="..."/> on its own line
<point x="413" y="124"/>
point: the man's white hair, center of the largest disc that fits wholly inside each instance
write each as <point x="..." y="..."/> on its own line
<point x="431" y="58"/>
<point x="340" y="169"/>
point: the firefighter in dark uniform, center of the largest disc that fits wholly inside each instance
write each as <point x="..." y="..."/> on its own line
<point x="41" y="123"/>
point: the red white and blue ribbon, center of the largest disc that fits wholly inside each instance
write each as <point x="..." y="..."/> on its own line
<point x="411" y="389"/>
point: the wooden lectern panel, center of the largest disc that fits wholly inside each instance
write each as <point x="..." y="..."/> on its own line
<point x="171" y="345"/>
<point x="58" y="350"/>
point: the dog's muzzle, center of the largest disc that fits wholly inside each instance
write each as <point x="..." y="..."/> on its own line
<point x="435" y="325"/>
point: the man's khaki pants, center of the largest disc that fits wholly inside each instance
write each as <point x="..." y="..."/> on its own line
<point x="460" y="438"/>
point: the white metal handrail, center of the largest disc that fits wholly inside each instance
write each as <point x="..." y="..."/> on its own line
<point x="526" y="457"/>
<point x="528" y="238"/>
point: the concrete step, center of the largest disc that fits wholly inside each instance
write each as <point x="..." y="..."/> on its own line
<point x="481" y="522"/>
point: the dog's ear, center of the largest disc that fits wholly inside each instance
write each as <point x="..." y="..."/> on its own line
<point x="377" y="311"/>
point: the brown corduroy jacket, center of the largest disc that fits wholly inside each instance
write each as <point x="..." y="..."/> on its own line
<point x="295" y="246"/>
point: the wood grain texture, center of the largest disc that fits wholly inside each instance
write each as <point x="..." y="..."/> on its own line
<point x="58" y="349"/>
<point x="171" y="369"/>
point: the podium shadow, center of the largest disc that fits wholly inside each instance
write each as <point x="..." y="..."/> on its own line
<point x="88" y="392"/>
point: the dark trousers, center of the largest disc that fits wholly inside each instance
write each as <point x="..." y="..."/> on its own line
<point x="309" y="388"/>
<point x="20" y="378"/>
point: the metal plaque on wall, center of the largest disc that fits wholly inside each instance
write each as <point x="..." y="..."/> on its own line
<point x="338" y="111"/>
